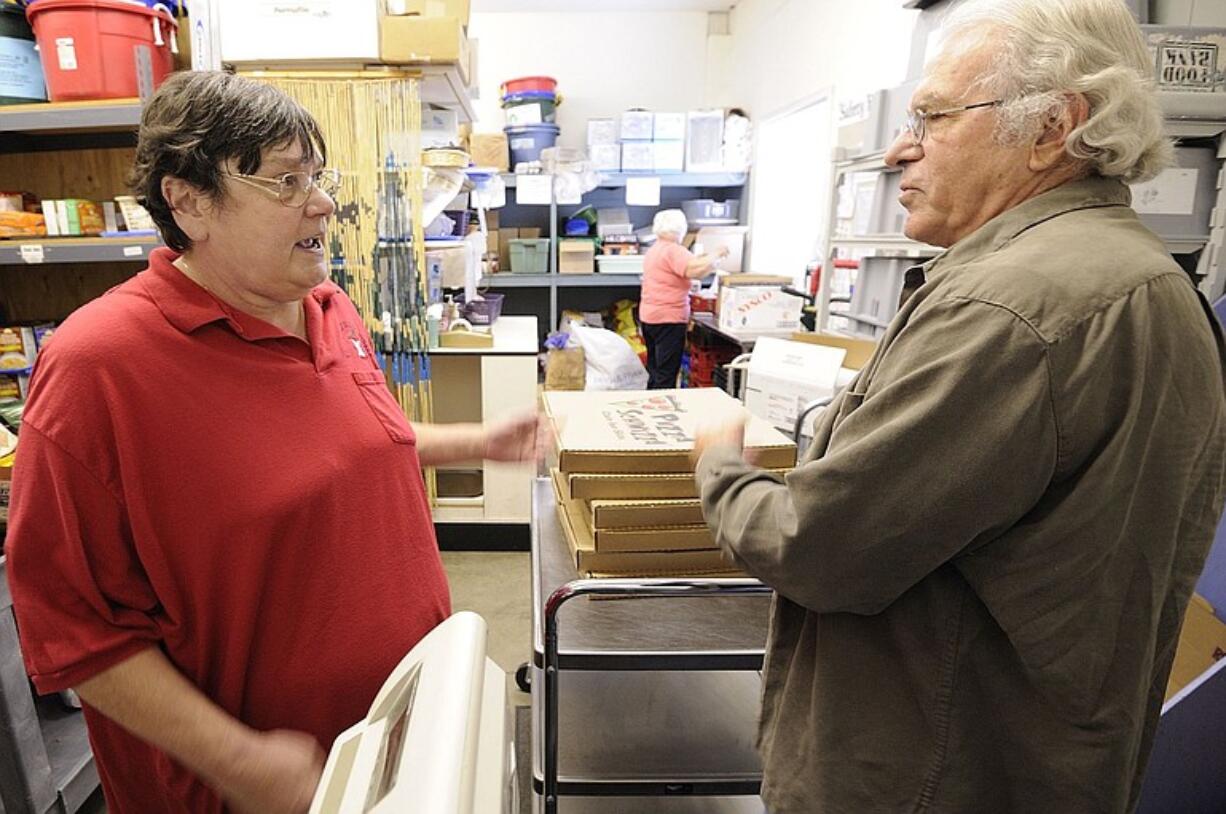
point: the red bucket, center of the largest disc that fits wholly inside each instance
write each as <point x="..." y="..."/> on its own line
<point x="546" y="84"/>
<point x="91" y="49"/>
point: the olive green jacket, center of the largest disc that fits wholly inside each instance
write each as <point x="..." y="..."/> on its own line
<point x="982" y="564"/>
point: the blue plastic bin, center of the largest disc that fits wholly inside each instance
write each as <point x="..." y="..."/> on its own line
<point x="526" y="141"/>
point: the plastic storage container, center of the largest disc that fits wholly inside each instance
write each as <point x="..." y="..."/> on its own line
<point x="102" y="49"/>
<point x="528" y="83"/>
<point x="526" y="141"/>
<point x="485" y="311"/>
<point x="531" y="107"/>
<point x="704" y="211"/>
<point x="619" y="263"/>
<point x="530" y="255"/>
<point x="21" y="74"/>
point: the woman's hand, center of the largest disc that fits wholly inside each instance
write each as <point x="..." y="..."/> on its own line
<point x="517" y="439"/>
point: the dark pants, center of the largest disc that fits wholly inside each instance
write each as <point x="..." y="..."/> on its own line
<point x="664" y="346"/>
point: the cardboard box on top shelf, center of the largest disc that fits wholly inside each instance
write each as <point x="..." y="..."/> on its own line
<point x="1202" y="641"/>
<point x="490" y="150"/>
<point x="322" y="31"/>
<point x="576" y="256"/>
<point x="650" y="432"/>
<point x="411" y="40"/>
<point x="668" y="156"/>
<point x="669" y="127"/>
<point x="431" y="8"/>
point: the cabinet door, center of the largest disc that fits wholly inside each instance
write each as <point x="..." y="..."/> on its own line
<point x="508" y="387"/>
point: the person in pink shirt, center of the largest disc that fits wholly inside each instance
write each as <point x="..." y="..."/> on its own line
<point x="664" y="306"/>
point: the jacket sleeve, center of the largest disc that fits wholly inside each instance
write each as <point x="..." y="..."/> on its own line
<point x="81" y="597"/>
<point x="953" y="441"/>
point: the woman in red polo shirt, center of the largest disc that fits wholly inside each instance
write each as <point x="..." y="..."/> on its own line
<point x="219" y="534"/>
<point x="664" y="306"/>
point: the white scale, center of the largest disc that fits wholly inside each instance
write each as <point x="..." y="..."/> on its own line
<point x="436" y="739"/>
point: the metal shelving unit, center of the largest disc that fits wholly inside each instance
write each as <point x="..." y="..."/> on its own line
<point x="33" y="251"/>
<point x="46" y="765"/>
<point x="560" y="280"/>
<point x="676" y="179"/>
<point x="119" y="115"/>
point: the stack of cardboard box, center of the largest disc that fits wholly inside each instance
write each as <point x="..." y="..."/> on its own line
<point x="627" y="501"/>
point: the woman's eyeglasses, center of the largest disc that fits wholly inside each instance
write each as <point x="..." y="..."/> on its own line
<point x="293" y="188"/>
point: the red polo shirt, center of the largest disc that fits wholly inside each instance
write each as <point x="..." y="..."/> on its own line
<point x="197" y="479"/>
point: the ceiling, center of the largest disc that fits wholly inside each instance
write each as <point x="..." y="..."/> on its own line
<point x="601" y="5"/>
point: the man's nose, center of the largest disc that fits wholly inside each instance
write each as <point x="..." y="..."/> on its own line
<point x="904" y="148"/>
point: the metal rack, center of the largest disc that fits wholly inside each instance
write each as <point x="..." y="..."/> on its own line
<point x="661" y="691"/>
<point x="46" y="765"/>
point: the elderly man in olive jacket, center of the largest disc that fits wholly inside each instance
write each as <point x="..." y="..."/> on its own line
<point x="982" y="564"/>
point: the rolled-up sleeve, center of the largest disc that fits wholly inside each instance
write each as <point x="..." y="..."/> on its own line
<point x="950" y="444"/>
<point x="82" y="600"/>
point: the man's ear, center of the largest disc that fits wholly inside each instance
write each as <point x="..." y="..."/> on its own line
<point x="1049" y="148"/>
<point x="190" y="206"/>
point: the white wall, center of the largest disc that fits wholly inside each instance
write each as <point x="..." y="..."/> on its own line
<point x="604" y="62"/>
<point x="785" y="50"/>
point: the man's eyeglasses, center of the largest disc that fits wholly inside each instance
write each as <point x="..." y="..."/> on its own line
<point x="917" y="120"/>
<point x="293" y="188"/>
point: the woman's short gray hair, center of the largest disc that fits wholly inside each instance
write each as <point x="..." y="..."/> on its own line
<point x="1045" y="49"/>
<point x="670" y="221"/>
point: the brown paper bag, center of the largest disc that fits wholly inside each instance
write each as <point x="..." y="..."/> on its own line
<point x="565" y="369"/>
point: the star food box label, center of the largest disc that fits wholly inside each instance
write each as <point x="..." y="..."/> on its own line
<point x="651" y="430"/>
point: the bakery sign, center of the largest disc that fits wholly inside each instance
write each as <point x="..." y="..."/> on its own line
<point x="653" y="421"/>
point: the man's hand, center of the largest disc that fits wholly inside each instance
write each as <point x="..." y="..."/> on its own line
<point x="731" y="433"/>
<point x="517" y="439"/>
<point x="277" y="774"/>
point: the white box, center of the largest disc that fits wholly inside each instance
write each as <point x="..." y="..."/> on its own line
<point x="669" y="156"/>
<point x="704" y="146"/>
<point x="606" y="157"/>
<point x="602" y="131"/>
<point x="757" y="309"/>
<point x="733" y="237"/>
<point x="440" y="128"/>
<point x="784" y="376"/>
<point x="637" y="125"/>
<point x="273" y="31"/>
<point x="638" y="156"/>
<point x="669" y="127"/>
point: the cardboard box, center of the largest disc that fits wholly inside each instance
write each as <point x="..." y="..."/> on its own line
<point x="491" y="242"/>
<point x="757" y="309"/>
<point x="859" y="351"/>
<point x="733" y="238"/>
<point x="505" y="235"/>
<point x="650" y="431"/>
<point x="638" y="156"/>
<point x="450" y="264"/>
<point x="623" y="514"/>
<point x="440" y="128"/>
<point x="602" y="131"/>
<point x="637" y="125"/>
<point x="690" y="537"/>
<point x="431" y="8"/>
<point x="623" y="486"/>
<point x="530" y="232"/>
<point x="669" y="127"/>
<point x="490" y="150"/>
<point x="425" y="40"/>
<point x="668" y="156"/>
<point x="263" y="33"/>
<point x="784" y="376"/>
<point x="704" y="141"/>
<point x="576" y="256"/>
<point x="1202" y="641"/>
<point x="588" y="559"/>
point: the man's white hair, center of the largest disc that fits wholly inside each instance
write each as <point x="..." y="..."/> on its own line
<point x="1046" y="49"/>
<point x="670" y="221"/>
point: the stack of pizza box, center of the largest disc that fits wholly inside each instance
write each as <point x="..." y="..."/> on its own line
<point x="627" y="500"/>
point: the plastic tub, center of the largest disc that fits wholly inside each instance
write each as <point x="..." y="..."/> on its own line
<point x="619" y="263"/>
<point x="93" y="49"/>
<point x="530" y="255"/>
<point x="530" y="108"/>
<point x="528" y="83"/>
<point x="526" y="141"/>
<point x="486" y="311"/>
<point x="21" y="75"/>
<point x="704" y="209"/>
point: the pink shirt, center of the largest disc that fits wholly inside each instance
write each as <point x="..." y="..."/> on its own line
<point x="666" y="289"/>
